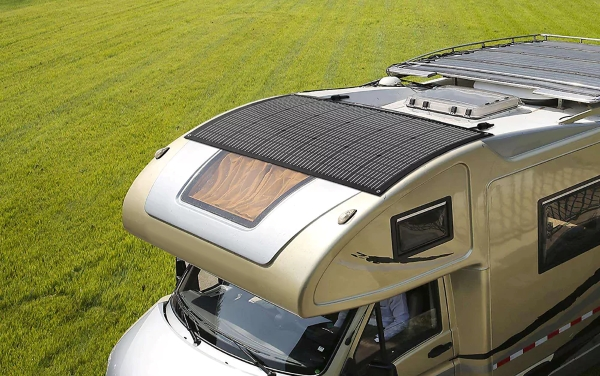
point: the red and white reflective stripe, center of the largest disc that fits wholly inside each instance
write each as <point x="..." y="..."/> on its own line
<point x="546" y="338"/>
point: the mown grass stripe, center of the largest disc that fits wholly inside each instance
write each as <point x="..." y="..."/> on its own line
<point x="116" y="81"/>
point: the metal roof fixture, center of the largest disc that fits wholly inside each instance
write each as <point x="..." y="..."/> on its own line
<point x="389" y="81"/>
<point x="585" y="114"/>
<point x="460" y="101"/>
<point x="555" y="69"/>
<point x="366" y="148"/>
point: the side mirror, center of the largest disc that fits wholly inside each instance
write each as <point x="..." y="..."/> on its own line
<point x="179" y="269"/>
<point x="378" y="368"/>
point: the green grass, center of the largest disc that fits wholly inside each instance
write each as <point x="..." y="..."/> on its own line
<point x="90" y="89"/>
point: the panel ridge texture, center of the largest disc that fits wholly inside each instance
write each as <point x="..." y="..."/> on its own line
<point x="366" y="148"/>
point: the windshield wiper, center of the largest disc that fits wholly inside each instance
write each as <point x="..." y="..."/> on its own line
<point x="257" y="362"/>
<point x="186" y="315"/>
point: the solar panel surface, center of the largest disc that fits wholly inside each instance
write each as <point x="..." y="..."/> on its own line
<point x="366" y="148"/>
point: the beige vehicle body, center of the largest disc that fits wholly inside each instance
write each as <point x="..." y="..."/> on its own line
<point x="506" y="304"/>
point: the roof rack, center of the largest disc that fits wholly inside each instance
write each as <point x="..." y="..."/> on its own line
<point x="542" y="62"/>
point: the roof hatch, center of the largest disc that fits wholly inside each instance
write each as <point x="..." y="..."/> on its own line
<point x="465" y="102"/>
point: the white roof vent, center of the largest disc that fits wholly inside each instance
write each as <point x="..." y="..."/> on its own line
<point x="389" y="81"/>
<point x="464" y="102"/>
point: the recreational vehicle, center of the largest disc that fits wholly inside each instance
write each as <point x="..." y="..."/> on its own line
<point x="443" y="220"/>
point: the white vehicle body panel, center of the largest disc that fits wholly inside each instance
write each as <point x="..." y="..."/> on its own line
<point x="153" y="347"/>
<point x="259" y="244"/>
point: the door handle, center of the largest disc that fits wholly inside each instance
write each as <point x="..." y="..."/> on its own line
<point x="439" y="350"/>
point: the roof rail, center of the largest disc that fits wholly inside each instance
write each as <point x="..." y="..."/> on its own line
<point x="581" y="115"/>
<point x="527" y="38"/>
<point x="554" y="66"/>
<point x="581" y="39"/>
<point x="482" y="44"/>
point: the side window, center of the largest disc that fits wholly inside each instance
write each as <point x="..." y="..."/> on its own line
<point x="201" y="280"/>
<point x="422" y="228"/>
<point x="207" y="281"/>
<point x="569" y="224"/>
<point x="407" y="320"/>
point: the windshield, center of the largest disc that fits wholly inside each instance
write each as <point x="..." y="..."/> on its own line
<point x="282" y="340"/>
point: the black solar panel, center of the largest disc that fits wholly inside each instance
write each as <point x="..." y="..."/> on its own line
<point x="361" y="147"/>
<point x="557" y="69"/>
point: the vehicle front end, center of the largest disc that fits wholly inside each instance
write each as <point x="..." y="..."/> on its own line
<point x="282" y="209"/>
<point x="210" y="326"/>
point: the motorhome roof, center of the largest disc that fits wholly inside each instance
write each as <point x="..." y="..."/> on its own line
<point x="293" y="246"/>
<point x="366" y="148"/>
<point x="554" y="69"/>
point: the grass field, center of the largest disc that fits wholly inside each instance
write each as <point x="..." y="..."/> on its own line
<point x="89" y="89"/>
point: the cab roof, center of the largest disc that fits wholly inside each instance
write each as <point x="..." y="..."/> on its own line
<point x="362" y="147"/>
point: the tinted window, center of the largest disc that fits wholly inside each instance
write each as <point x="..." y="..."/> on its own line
<point x="422" y="228"/>
<point x="569" y="224"/>
<point x="408" y="319"/>
<point x="241" y="189"/>
<point x="223" y="313"/>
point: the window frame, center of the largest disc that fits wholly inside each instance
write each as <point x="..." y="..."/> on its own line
<point x="185" y="197"/>
<point x="396" y="242"/>
<point x="545" y="266"/>
<point x="346" y="330"/>
<point x="413" y="342"/>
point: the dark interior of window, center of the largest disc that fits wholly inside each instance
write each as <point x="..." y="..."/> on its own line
<point x="229" y="318"/>
<point x="422" y="228"/>
<point x="569" y="224"/>
<point x="424" y="322"/>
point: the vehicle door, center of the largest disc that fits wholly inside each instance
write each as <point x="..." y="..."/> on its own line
<point x="421" y="345"/>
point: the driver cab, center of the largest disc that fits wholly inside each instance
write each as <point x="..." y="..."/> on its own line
<point x="238" y="322"/>
<point x="410" y="329"/>
<point x="423" y="344"/>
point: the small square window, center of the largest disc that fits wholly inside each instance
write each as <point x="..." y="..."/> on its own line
<point x="422" y="228"/>
<point x="569" y="224"/>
